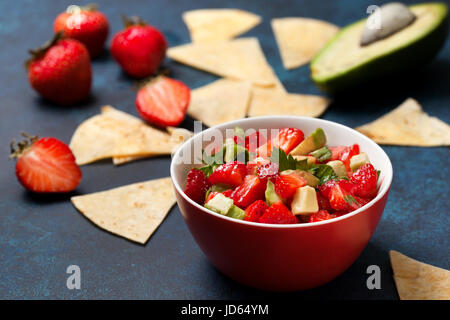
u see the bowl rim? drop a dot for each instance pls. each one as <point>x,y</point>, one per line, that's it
<point>381,193</point>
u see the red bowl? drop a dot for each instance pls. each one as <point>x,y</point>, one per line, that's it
<point>282,257</point>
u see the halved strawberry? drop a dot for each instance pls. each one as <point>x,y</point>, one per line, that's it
<point>163,101</point>
<point>196,185</point>
<point>251,190</point>
<point>45,165</point>
<point>286,185</point>
<point>286,140</point>
<point>320,215</point>
<point>255,211</point>
<point>278,213</point>
<point>230,173</point>
<point>365,179</point>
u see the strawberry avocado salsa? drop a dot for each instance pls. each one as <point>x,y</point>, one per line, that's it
<point>287,179</point>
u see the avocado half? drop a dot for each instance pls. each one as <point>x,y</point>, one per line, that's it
<point>343,63</point>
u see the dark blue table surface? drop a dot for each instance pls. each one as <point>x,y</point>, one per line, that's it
<point>41,236</point>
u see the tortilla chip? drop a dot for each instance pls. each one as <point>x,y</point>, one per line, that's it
<point>267,102</point>
<point>116,133</point>
<point>177,136</point>
<point>300,39</point>
<point>220,101</point>
<point>212,25</point>
<point>241,59</point>
<point>133,211</point>
<point>408,125</point>
<point>416,280</point>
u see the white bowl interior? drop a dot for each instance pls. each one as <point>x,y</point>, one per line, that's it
<point>337,134</point>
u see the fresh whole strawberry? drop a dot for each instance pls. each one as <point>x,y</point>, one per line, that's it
<point>251,190</point>
<point>61,71</point>
<point>278,213</point>
<point>320,215</point>
<point>139,48</point>
<point>230,173</point>
<point>196,185</point>
<point>255,211</point>
<point>365,179</point>
<point>163,101</point>
<point>45,165</point>
<point>85,24</point>
<point>287,185</point>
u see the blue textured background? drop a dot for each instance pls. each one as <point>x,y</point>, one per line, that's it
<point>41,236</point>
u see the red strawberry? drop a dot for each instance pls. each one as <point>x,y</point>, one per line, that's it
<point>61,71</point>
<point>365,179</point>
<point>84,24</point>
<point>227,193</point>
<point>251,190</point>
<point>278,214</point>
<point>163,101</point>
<point>231,173</point>
<point>344,154</point>
<point>45,165</point>
<point>255,211</point>
<point>320,215</point>
<point>268,171</point>
<point>286,185</point>
<point>323,202</point>
<point>286,140</point>
<point>196,185</point>
<point>139,48</point>
<point>338,194</point>
<point>254,140</point>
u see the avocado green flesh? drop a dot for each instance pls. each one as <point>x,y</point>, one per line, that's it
<point>344,63</point>
<point>271,196</point>
<point>314,141</point>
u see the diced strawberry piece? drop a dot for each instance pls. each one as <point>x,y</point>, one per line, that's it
<point>268,171</point>
<point>320,215</point>
<point>228,193</point>
<point>278,213</point>
<point>231,173</point>
<point>251,168</point>
<point>336,195</point>
<point>344,154</point>
<point>254,140</point>
<point>323,202</point>
<point>255,211</point>
<point>365,179</point>
<point>286,140</point>
<point>286,185</point>
<point>196,185</point>
<point>251,190</point>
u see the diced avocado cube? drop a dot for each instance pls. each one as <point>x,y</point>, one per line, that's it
<point>309,159</point>
<point>311,179</point>
<point>271,195</point>
<point>304,201</point>
<point>314,141</point>
<point>220,204</point>
<point>236,213</point>
<point>358,161</point>
<point>338,168</point>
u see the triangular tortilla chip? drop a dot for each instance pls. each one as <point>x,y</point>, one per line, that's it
<point>212,25</point>
<point>133,211</point>
<point>266,102</point>
<point>220,101</point>
<point>299,39</point>
<point>241,59</point>
<point>416,280</point>
<point>115,133</point>
<point>408,125</point>
<point>177,137</point>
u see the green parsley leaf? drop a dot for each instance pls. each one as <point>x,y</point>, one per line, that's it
<point>324,172</point>
<point>287,162</point>
<point>349,199</point>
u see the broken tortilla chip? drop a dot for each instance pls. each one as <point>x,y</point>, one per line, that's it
<point>133,211</point>
<point>220,101</point>
<point>241,59</point>
<point>212,25</point>
<point>408,125</point>
<point>177,137</point>
<point>416,280</point>
<point>299,39</point>
<point>266,102</point>
<point>116,133</point>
